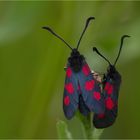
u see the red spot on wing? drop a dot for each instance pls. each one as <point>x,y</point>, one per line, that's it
<point>109,88</point>
<point>100,116</point>
<point>109,103</point>
<point>86,70</point>
<point>69,87</point>
<point>67,100</point>
<point>68,72</point>
<point>97,95</point>
<point>89,85</point>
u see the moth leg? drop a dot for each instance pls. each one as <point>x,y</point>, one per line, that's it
<point>97,77</point>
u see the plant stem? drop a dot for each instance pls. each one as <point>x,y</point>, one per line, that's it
<point>86,121</point>
<point>90,131</point>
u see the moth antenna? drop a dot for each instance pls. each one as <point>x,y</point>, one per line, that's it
<point>51,31</point>
<point>87,23</point>
<point>122,40</point>
<point>95,50</point>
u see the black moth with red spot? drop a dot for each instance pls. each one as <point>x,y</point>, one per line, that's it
<point>81,90</point>
<point>111,87</point>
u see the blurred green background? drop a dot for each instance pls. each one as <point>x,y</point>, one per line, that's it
<point>32,62</point>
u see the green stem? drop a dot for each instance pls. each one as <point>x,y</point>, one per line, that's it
<point>91,132</point>
<point>97,133</point>
<point>86,121</point>
<point>87,125</point>
<point>62,130</point>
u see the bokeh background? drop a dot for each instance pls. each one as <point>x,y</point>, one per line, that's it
<point>32,62</point>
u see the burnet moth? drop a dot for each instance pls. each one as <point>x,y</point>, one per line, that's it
<point>111,87</point>
<point>81,90</point>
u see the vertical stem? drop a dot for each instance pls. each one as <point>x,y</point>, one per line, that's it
<point>97,133</point>
<point>91,132</point>
<point>87,125</point>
